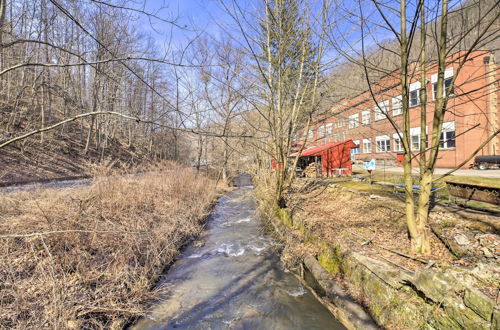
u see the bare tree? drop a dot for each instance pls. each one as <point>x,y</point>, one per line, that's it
<point>285,47</point>
<point>67,60</point>
<point>420,44</point>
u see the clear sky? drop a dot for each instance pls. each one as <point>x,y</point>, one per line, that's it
<point>208,15</point>
<point>194,15</point>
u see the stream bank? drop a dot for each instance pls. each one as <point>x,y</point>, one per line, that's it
<point>397,295</point>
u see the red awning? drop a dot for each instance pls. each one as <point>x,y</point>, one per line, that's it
<point>316,151</point>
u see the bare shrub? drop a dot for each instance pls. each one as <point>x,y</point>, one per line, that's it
<point>89,257</point>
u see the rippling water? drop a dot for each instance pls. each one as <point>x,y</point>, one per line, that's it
<point>231,278</point>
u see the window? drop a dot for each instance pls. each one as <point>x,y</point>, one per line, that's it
<point>398,144</point>
<point>367,146</point>
<point>383,143</point>
<point>353,121</point>
<point>338,137</point>
<point>397,105</point>
<point>365,117</point>
<point>415,142</point>
<point>447,138</point>
<point>310,135</point>
<point>381,110</point>
<point>415,138</point>
<point>339,123</point>
<point>448,77</point>
<point>355,151</point>
<point>321,131</point>
<point>415,94</point>
<point>414,98</point>
<point>329,129</point>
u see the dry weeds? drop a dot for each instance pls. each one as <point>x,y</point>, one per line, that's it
<point>344,218</point>
<point>89,257</point>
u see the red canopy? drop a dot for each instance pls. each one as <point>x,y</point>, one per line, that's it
<point>316,151</point>
<point>335,156</point>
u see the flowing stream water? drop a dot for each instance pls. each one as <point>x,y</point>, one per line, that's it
<point>232,278</point>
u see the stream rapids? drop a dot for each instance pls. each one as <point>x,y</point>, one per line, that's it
<point>232,278</point>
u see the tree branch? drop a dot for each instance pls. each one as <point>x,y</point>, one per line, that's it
<point>113,113</point>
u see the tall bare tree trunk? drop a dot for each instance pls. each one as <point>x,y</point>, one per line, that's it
<point>407,168</point>
<point>421,242</point>
<point>3,9</point>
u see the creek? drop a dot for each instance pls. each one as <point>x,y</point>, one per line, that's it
<point>231,277</point>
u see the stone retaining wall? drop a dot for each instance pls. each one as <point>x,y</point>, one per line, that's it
<point>426,298</point>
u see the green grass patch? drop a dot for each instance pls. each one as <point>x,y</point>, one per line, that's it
<point>397,178</point>
<point>442,194</point>
<point>492,182</point>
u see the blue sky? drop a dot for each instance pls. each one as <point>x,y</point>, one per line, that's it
<point>195,15</point>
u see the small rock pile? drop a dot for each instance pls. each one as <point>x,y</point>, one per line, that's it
<point>478,243</point>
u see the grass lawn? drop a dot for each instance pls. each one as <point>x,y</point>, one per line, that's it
<point>442,194</point>
<point>397,178</point>
<point>493,182</point>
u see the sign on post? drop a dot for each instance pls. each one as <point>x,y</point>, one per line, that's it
<point>369,166</point>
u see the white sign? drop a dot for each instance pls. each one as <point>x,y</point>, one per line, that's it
<point>369,166</point>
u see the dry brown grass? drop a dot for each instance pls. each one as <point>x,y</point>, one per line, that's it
<point>342,218</point>
<point>95,252</point>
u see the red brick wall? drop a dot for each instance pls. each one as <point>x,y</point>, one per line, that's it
<point>474,103</point>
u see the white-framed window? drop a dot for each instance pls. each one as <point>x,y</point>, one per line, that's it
<point>415,94</point>
<point>339,123</point>
<point>367,146</point>
<point>447,137</point>
<point>310,134</point>
<point>415,138</point>
<point>357,150</point>
<point>381,110</point>
<point>366,117</point>
<point>329,129</point>
<point>321,131</point>
<point>415,142</point>
<point>448,77</point>
<point>353,121</point>
<point>397,105</point>
<point>383,143</point>
<point>398,144</point>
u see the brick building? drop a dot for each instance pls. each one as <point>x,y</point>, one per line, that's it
<point>471,117</point>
